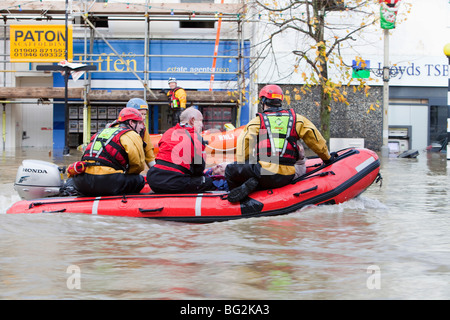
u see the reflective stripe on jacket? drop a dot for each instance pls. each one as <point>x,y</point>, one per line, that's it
<point>306,131</point>
<point>277,137</point>
<point>105,148</point>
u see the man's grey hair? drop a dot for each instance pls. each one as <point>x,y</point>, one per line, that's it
<point>189,113</point>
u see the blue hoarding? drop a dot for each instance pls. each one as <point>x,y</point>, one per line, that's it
<point>187,60</point>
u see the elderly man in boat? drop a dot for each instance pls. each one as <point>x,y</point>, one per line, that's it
<point>267,149</point>
<point>180,162</point>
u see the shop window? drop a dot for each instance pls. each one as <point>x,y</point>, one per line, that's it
<point>100,116</point>
<point>217,117</point>
<point>438,123</point>
<point>197,24</point>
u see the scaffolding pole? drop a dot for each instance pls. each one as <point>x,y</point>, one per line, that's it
<point>118,55</point>
<point>216,50</point>
<point>231,13</point>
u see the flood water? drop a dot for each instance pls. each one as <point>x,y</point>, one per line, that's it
<point>393,242</point>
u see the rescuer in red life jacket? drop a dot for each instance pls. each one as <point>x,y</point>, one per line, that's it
<point>267,149</point>
<point>114,159</point>
<point>180,161</point>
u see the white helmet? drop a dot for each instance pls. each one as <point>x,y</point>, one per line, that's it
<point>172,80</point>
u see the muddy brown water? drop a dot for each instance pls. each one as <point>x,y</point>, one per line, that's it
<point>392,242</point>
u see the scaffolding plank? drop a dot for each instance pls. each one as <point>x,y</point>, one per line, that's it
<point>38,92</point>
<point>125,95</point>
<point>107,95</point>
<point>58,7</point>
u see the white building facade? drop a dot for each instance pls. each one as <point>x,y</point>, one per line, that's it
<point>184,47</point>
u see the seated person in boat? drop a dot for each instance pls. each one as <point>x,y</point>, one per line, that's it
<point>217,173</point>
<point>142,106</point>
<point>267,149</point>
<point>114,159</point>
<point>180,162</point>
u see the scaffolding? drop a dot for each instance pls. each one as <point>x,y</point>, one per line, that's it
<point>89,14</point>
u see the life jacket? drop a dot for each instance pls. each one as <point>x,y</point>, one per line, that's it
<point>106,150</point>
<point>278,137</point>
<point>181,149</point>
<point>174,101</point>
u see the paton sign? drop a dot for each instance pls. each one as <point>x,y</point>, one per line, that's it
<point>39,43</point>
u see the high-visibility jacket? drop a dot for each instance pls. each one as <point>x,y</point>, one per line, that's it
<point>115,149</point>
<point>278,137</point>
<point>149,149</point>
<point>305,130</point>
<point>181,149</point>
<point>177,98</point>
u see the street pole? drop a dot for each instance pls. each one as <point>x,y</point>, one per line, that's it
<point>386,75</point>
<point>66,150</point>
<point>447,53</point>
<point>388,13</point>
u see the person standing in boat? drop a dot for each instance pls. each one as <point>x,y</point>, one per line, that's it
<point>180,161</point>
<point>267,149</point>
<point>114,158</point>
<point>177,99</point>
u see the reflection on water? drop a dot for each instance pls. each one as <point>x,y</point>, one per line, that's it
<point>323,252</point>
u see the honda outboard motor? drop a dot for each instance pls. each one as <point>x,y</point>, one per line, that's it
<point>38,179</point>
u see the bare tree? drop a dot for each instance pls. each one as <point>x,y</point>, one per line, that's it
<point>323,37</point>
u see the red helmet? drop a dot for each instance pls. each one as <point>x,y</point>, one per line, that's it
<point>271,95</point>
<point>129,114</point>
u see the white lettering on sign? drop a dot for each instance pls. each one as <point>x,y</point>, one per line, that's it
<point>227,136</point>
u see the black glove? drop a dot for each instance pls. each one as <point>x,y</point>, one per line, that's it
<point>333,158</point>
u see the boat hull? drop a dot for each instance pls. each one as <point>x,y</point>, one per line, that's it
<point>353,172</point>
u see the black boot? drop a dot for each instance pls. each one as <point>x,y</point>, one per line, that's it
<point>243,190</point>
<point>68,189</point>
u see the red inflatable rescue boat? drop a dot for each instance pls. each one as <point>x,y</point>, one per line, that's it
<point>352,173</point>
